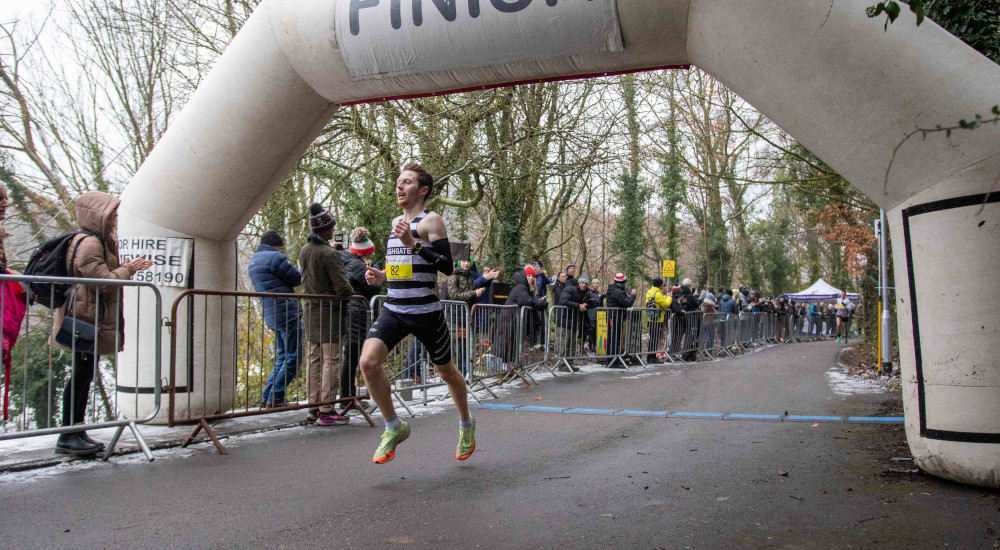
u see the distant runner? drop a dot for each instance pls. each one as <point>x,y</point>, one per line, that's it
<point>417,250</point>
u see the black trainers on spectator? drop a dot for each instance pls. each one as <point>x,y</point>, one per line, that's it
<point>313,415</point>
<point>100,446</point>
<point>75,445</point>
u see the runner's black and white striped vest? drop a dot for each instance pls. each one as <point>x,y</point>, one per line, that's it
<point>412,281</point>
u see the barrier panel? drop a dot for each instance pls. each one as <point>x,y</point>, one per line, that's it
<point>607,333</point>
<point>770,328</point>
<point>274,337</point>
<point>692,330</point>
<point>408,365</point>
<point>648,335</point>
<point>536,327</point>
<point>497,344</point>
<point>745,332</point>
<point>712,335</point>
<point>42,371</point>
<point>795,328</point>
<point>567,343</point>
<point>781,333</point>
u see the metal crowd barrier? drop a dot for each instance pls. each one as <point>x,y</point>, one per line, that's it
<point>685,330</point>
<point>536,328</point>
<point>607,335</point>
<point>409,367</point>
<point>567,343</point>
<point>648,334</point>
<point>794,328</point>
<point>38,372</point>
<point>263,362</point>
<point>729,333</point>
<point>713,334</point>
<point>745,331</point>
<point>497,344</point>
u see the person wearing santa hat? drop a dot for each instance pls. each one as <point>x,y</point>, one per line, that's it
<point>356,258</point>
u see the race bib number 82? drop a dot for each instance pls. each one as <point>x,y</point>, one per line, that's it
<point>399,267</point>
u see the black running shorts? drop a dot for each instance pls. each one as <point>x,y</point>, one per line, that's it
<point>430,328</point>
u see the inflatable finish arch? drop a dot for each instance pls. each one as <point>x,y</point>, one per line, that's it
<point>822,70</point>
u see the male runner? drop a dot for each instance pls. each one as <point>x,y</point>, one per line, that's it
<point>417,249</point>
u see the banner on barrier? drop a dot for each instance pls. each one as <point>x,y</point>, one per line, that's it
<point>386,38</point>
<point>602,334</point>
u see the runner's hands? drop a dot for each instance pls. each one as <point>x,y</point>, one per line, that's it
<point>374,276</point>
<point>402,232</point>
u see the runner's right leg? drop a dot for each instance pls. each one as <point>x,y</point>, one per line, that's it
<point>373,356</point>
<point>396,431</point>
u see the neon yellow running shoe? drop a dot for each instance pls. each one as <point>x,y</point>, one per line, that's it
<point>390,438</point>
<point>466,441</point>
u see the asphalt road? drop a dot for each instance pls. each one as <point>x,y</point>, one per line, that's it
<point>540,480</point>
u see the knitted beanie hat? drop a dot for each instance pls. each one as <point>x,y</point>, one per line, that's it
<point>361,243</point>
<point>619,277</point>
<point>320,219</point>
<point>272,238</point>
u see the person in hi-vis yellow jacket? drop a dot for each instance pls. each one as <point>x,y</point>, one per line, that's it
<point>656,298</point>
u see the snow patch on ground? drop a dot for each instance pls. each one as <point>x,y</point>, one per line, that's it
<point>672,372</point>
<point>844,384</point>
<point>72,466</point>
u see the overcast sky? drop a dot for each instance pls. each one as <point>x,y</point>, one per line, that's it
<point>19,9</point>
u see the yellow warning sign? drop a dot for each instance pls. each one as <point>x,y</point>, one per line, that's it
<point>668,268</point>
<point>602,334</point>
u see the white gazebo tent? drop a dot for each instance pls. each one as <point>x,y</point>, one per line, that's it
<point>820,290</point>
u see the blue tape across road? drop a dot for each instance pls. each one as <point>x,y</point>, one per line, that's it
<point>740,416</point>
<point>696,415</point>
<point>708,415</point>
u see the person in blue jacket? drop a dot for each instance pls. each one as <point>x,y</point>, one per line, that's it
<point>271,272</point>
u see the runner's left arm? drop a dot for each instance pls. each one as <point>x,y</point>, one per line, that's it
<point>439,254</point>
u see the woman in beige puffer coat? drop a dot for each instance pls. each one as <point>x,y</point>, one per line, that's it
<point>93,257</point>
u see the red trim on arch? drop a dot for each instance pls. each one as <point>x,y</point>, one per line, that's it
<point>509,84</point>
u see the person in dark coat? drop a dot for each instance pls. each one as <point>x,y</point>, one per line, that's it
<point>356,259</point>
<point>462,283</point>
<point>571,321</point>
<point>271,272</point>
<point>323,274</point>
<point>727,304</point>
<point>619,296</point>
<point>595,300</point>
<point>521,295</point>
<point>691,307</point>
<point>558,286</point>
<point>538,321</point>
<point>542,280</point>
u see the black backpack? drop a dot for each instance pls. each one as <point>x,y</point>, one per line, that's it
<point>651,302</point>
<point>49,260</point>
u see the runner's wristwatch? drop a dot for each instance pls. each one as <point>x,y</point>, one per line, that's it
<point>417,248</point>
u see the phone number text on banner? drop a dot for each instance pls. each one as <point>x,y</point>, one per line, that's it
<point>171,259</point>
